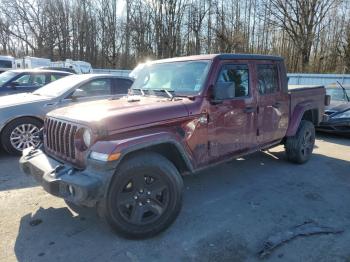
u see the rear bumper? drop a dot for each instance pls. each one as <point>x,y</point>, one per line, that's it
<point>61,180</point>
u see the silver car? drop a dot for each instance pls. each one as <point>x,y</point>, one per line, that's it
<point>21,115</point>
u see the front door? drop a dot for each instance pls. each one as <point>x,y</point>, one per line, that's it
<point>232,122</point>
<point>272,103</point>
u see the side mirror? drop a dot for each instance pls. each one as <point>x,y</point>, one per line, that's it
<point>78,93</point>
<point>13,85</point>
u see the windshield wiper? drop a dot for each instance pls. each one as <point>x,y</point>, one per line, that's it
<point>167,92</point>
<point>140,89</point>
<point>344,90</point>
<point>172,95</point>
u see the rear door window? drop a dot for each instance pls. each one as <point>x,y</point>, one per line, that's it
<point>121,86</point>
<point>5,64</point>
<point>39,79</point>
<point>267,79</point>
<point>55,77</point>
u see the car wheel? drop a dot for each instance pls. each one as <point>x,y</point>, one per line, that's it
<point>144,197</point>
<point>21,133</point>
<point>300,146</point>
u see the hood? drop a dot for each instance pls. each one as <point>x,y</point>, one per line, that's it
<point>337,106</point>
<point>122,113</point>
<point>20,99</point>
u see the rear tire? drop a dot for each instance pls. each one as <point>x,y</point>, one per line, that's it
<point>20,130</point>
<point>300,146</point>
<point>144,197</point>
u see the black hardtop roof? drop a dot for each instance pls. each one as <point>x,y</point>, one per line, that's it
<point>221,57</point>
<point>249,57</point>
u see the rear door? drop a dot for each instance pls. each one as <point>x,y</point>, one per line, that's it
<point>273,105</point>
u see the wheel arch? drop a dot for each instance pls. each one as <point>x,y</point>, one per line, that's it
<point>311,115</point>
<point>302,112</point>
<point>169,149</point>
<point>9,121</point>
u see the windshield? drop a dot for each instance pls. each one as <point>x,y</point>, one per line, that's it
<point>5,64</point>
<point>6,76</point>
<point>337,94</point>
<point>180,77</point>
<point>60,86</point>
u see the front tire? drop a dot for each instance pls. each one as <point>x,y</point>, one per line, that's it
<point>20,134</point>
<point>300,146</point>
<point>145,196</point>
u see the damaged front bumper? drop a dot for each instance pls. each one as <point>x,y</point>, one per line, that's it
<point>341,126</point>
<point>81,187</point>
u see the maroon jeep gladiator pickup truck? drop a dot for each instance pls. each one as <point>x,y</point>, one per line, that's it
<point>126,156</point>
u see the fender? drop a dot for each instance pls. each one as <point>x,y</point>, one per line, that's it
<point>126,146</point>
<point>297,115</point>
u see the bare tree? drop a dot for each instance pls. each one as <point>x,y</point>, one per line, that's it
<point>313,35</point>
<point>300,19</point>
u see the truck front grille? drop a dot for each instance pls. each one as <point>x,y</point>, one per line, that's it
<point>59,139</point>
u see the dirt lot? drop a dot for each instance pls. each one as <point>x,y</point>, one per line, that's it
<point>228,212</point>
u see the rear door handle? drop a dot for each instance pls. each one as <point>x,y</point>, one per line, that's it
<point>249,109</point>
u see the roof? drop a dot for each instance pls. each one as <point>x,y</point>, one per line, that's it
<point>96,76</point>
<point>6,57</point>
<point>35,70</point>
<point>221,57</point>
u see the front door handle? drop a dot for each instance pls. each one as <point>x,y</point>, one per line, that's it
<point>277,105</point>
<point>249,109</point>
<point>51,104</point>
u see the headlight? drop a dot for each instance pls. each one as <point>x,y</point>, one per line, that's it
<point>87,137</point>
<point>345,114</point>
<point>104,157</point>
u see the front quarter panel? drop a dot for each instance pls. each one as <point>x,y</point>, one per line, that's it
<point>132,144</point>
<point>35,110</point>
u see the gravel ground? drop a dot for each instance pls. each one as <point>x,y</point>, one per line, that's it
<point>228,212</point>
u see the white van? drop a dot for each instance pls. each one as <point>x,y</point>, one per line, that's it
<point>7,63</point>
<point>29,62</point>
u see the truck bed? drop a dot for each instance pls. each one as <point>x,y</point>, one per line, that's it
<point>310,96</point>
